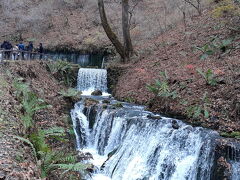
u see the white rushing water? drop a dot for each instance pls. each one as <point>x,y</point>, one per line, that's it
<point>235,170</point>
<point>145,148</point>
<point>128,144</point>
<point>92,79</point>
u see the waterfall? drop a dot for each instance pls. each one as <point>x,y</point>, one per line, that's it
<point>130,143</point>
<point>92,79</point>
<point>83,60</point>
<point>145,148</point>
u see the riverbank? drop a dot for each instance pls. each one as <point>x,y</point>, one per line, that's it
<point>201,89</point>
<point>17,157</point>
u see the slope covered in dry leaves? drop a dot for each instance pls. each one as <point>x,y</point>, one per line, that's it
<point>175,53</point>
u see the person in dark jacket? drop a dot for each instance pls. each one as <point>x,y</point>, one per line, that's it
<point>4,47</point>
<point>8,48</point>
<point>30,49</point>
<point>40,50</point>
<point>21,47</point>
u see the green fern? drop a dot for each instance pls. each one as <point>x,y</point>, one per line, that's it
<point>56,133</point>
<point>20,88</point>
<point>38,140</point>
<point>27,121</point>
<point>59,160</point>
<point>29,143</point>
<point>73,167</point>
<point>30,103</point>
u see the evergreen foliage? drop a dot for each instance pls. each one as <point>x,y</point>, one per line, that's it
<point>48,160</point>
<point>62,70</point>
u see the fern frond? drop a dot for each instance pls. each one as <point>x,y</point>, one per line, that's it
<point>29,143</point>
<point>73,167</point>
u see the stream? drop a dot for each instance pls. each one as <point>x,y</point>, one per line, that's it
<point>129,143</point>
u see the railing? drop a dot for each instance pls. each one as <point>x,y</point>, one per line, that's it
<point>22,55</point>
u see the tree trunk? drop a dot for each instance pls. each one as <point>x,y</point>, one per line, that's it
<point>110,34</point>
<point>128,48</point>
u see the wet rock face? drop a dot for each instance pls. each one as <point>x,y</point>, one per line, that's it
<point>113,74</point>
<point>227,150</point>
<point>89,102</point>
<point>96,93</point>
<point>92,116</point>
<point>223,170</point>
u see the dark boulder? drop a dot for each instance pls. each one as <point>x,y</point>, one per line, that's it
<point>97,93</point>
<point>175,125</point>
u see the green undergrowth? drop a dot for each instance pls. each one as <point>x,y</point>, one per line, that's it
<point>197,110</point>
<point>64,71</point>
<point>38,139</point>
<point>162,88</point>
<point>235,134</point>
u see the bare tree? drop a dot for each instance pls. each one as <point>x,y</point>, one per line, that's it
<point>182,8</point>
<point>126,49</point>
<point>197,4</point>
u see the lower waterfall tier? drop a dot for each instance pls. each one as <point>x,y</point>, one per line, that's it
<point>140,145</point>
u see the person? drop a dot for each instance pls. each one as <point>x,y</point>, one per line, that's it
<point>8,48</point>
<point>21,47</point>
<point>40,50</point>
<point>15,52</point>
<point>30,49</point>
<point>4,47</point>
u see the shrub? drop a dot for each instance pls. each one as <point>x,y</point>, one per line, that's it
<point>162,88</point>
<point>216,46</point>
<point>199,110</point>
<point>228,11</point>
<point>63,71</point>
<point>208,76</point>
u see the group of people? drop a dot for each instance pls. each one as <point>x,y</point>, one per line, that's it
<point>20,50</point>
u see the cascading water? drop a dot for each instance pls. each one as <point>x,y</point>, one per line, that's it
<point>92,79</point>
<point>129,143</point>
<point>235,170</point>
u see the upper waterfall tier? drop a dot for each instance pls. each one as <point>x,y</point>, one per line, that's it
<point>92,79</point>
